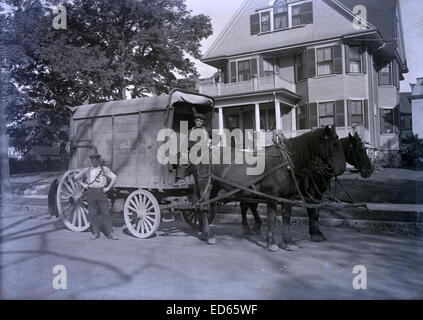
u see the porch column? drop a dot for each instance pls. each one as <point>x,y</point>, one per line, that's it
<point>294,118</point>
<point>278,115</point>
<point>221,133</point>
<point>257,116</point>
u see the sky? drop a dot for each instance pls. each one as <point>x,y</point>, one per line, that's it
<point>221,11</point>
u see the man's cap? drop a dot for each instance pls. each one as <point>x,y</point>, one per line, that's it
<point>94,155</point>
<point>200,116</point>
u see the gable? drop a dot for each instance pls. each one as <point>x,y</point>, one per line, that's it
<point>237,39</point>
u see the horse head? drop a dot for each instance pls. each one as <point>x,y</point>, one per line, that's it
<point>331,152</point>
<point>356,155</point>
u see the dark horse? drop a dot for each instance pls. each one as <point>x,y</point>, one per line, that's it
<point>355,155</point>
<point>322,143</point>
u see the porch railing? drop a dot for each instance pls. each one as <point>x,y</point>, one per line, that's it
<point>255,84</point>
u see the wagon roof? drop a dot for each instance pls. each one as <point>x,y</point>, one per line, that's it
<point>142,104</point>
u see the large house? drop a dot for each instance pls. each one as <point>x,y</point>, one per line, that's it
<point>295,65</point>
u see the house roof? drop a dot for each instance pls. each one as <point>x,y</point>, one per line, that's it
<point>405,105</point>
<point>417,92</point>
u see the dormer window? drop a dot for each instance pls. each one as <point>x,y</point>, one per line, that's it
<point>282,15</point>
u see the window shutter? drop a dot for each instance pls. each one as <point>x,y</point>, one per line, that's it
<point>363,59</point>
<point>337,58</point>
<point>307,12</point>
<point>313,114</point>
<point>255,24</point>
<point>395,73</point>
<point>261,67</point>
<point>254,67</point>
<point>366,114</point>
<point>347,58</point>
<point>349,112</point>
<point>397,117</point>
<point>233,72</point>
<point>339,113</point>
<point>311,63</point>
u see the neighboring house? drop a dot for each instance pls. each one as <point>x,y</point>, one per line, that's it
<point>42,153</point>
<point>297,65</point>
<point>416,98</point>
<point>405,115</point>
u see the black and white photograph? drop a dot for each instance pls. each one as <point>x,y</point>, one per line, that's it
<point>190,151</point>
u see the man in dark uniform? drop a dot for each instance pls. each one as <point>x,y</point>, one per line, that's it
<point>98,204</point>
<point>199,120</point>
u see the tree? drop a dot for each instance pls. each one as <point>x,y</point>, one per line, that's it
<point>109,46</point>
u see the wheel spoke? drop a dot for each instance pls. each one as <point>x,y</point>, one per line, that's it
<point>79,217</point>
<point>74,216</point>
<point>84,217</point>
<point>132,208</point>
<point>145,227</point>
<point>148,223</point>
<point>133,203</point>
<point>68,187</point>
<point>150,219</point>
<point>139,225</point>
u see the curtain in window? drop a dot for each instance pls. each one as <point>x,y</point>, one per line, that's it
<point>297,17</point>
<point>244,73</point>
<point>324,61</point>
<point>387,121</point>
<point>326,114</point>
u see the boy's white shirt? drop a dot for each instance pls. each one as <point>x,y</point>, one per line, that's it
<point>93,172</point>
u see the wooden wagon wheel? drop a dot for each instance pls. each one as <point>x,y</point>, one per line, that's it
<point>142,214</point>
<point>72,202</point>
<point>192,217</point>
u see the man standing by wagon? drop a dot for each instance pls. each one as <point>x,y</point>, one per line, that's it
<point>98,204</point>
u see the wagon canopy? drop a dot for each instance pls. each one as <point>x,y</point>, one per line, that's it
<point>176,97</point>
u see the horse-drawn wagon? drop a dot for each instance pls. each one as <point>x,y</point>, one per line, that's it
<point>126,133</point>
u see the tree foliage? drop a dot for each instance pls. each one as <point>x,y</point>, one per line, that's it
<point>109,47</point>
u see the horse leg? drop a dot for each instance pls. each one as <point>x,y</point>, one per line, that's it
<point>314,230</point>
<point>271,219</point>
<point>257,219</point>
<point>245,227</point>
<point>287,243</point>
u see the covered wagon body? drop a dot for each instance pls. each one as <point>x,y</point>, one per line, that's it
<point>125,134</point>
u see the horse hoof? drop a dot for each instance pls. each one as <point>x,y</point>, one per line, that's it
<point>291,247</point>
<point>211,241</point>
<point>272,247</point>
<point>288,246</point>
<point>317,237</point>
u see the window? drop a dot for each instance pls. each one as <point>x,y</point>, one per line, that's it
<point>385,75</point>
<point>267,119</point>
<point>326,113</point>
<point>297,17</point>
<point>244,73</point>
<point>262,22</point>
<point>355,112</point>
<point>280,15</point>
<point>268,67</point>
<point>354,59</point>
<point>387,121</point>
<point>265,21</point>
<point>324,61</point>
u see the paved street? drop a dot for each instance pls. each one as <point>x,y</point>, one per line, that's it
<point>176,265</point>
